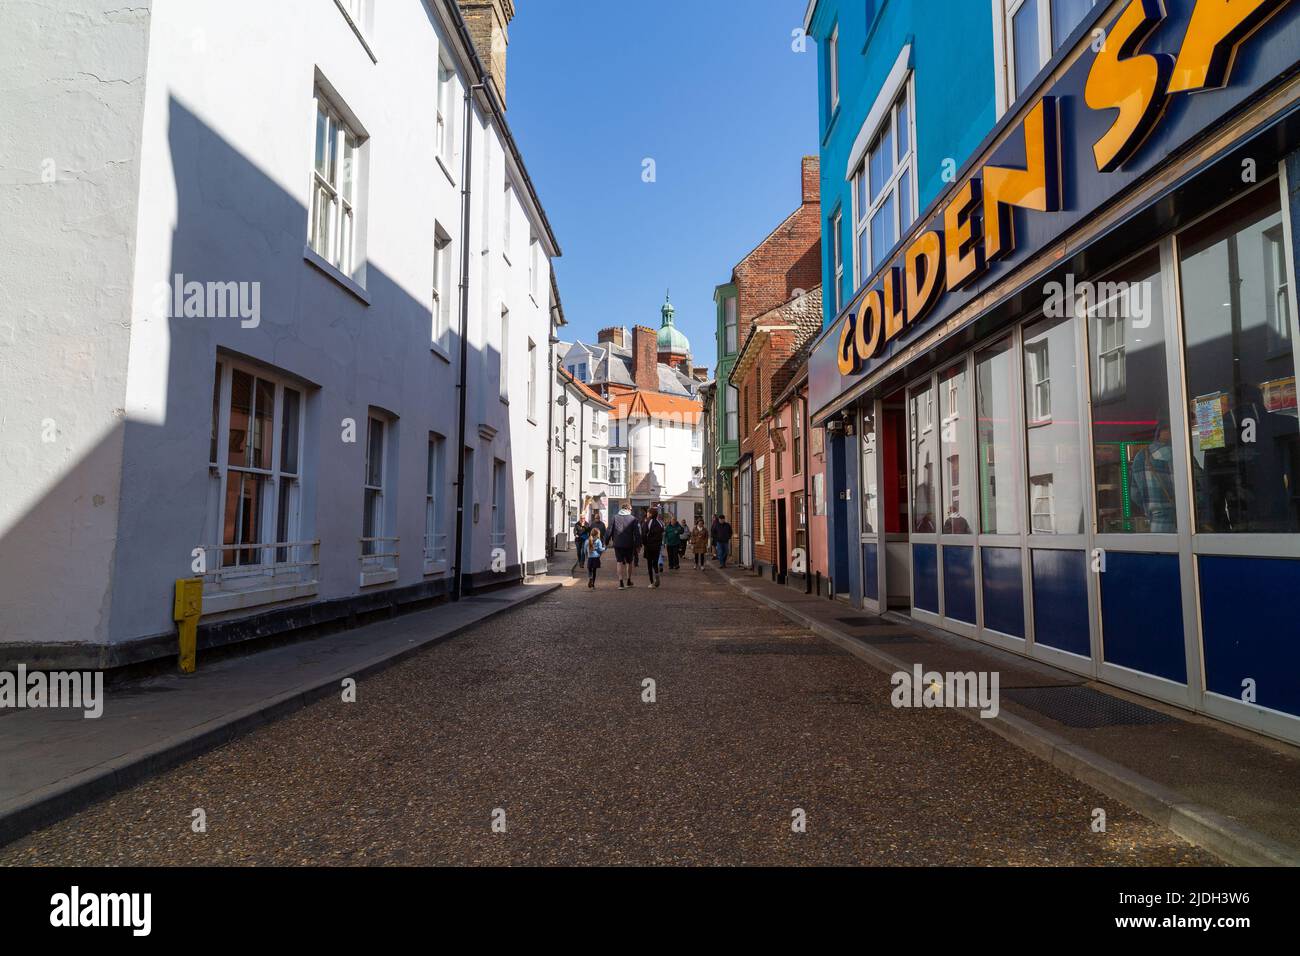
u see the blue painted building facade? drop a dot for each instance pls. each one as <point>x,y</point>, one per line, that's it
<point>1058,372</point>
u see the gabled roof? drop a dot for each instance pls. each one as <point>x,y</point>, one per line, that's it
<point>654,404</point>
<point>586,392</point>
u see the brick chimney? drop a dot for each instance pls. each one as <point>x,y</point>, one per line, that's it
<point>645,361</point>
<point>811,179</point>
<point>615,335</point>
<point>487,21</point>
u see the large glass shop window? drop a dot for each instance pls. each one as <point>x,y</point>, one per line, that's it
<point>923,449</point>
<point>957,452</point>
<point>869,470</point>
<point>1241,387</point>
<point>1132,452</point>
<point>1055,480</point>
<point>995,414</point>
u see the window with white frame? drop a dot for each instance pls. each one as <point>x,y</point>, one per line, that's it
<point>1033,30</point>
<point>1277,278</point>
<point>884,187</point>
<point>595,424</point>
<point>331,229</point>
<point>733,413</point>
<point>1040,382</point>
<point>1111,353</point>
<point>498,503</point>
<point>372,522</point>
<point>1042,504</point>
<point>532,379</point>
<point>534,264</point>
<point>695,436</point>
<point>258,422</point>
<point>445,138</point>
<point>796,435</point>
<point>441,287</point>
<point>837,259</point>
<point>435,538</point>
<point>595,464</point>
<point>661,434</point>
<point>729,323</point>
<point>833,66</point>
<point>616,469</point>
<point>505,351</point>
<point>507,213</point>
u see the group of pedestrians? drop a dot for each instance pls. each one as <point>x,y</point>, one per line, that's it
<point>651,536</point>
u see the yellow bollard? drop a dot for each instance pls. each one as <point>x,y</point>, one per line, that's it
<point>186,611</point>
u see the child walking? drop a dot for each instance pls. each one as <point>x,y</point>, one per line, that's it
<point>595,548</point>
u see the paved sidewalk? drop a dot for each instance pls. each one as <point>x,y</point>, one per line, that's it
<point>1231,791</point>
<point>55,761</point>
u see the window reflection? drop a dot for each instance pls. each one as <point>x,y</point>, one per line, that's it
<point>957,451</point>
<point>1241,387</point>
<point>996,419</point>
<point>1132,455</point>
<point>1052,428</point>
<point>869,469</point>
<point>923,449</point>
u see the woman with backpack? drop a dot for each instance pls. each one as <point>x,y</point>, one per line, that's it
<point>673,536</point>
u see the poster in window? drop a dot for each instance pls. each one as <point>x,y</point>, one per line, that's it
<point>1209,419</point>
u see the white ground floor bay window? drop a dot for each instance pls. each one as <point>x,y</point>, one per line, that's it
<point>253,552</point>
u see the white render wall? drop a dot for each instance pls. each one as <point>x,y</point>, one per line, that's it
<point>225,154</point>
<point>572,484</point>
<point>677,453</point>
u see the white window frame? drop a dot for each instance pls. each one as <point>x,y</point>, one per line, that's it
<point>1042,491</point>
<point>505,353</point>
<point>336,188</point>
<point>730,325</point>
<point>733,413</point>
<point>435,547</point>
<point>833,66</point>
<point>506,216</point>
<point>280,558</point>
<point>532,380</point>
<point>445,118</point>
<point>837,259</point>
<point>904,164</point>
<point>617,467</point>
<point>1040,383</point>
<point>1004,12</point>
<point>442,286</point>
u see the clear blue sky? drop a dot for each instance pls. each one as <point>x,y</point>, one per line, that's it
<point>713,92</point>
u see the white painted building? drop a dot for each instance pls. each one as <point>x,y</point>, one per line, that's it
<point>580,461</point>
<point>660,441</point>
<point>231,319</point>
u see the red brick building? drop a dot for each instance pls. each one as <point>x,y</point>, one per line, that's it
<point>772,283</point>
<point>771,358</point>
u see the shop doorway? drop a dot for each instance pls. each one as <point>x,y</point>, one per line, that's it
<point>782,541</point>
<point>898,561</point>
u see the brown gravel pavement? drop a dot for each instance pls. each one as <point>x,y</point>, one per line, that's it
<point>539,713</point>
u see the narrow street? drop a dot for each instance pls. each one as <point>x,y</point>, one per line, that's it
<point>540,713</point>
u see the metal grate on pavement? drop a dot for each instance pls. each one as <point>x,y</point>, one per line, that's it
<point>1084,707</point>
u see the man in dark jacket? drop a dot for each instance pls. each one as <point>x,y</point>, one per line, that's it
<point>625,539</point>
<point>652,538</point>
<point>722,538</point>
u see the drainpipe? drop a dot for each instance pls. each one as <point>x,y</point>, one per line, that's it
<point>462,385</point>
<point>582,456</point>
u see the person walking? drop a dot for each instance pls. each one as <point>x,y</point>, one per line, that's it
<point>652,538</point>
<point>595,548</point>
<point>673,540</point>
<point>722,537</point>
<point>599,525</point>
<point>625,539</point>
<point>699,543</point>
<point>581,531</point>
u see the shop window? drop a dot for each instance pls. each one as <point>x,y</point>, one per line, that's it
<point>958,456</point>
<point>869,471</point>
<point>996,418</point>
<point>922,456</point>
<point>1241,386</point>
<point>1052,427</point>
<point>1132,455</point>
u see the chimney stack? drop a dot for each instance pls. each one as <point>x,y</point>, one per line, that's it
<point>645,361</point>
<point>811,174</point>
<point>615,335</point>
<point>487,21</point>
